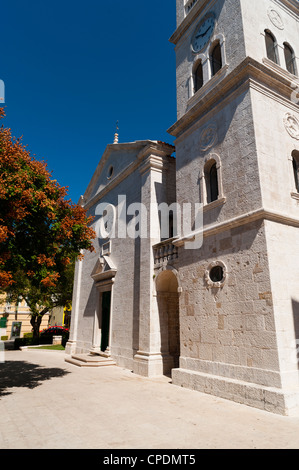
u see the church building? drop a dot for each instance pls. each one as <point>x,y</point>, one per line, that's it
<point>195,272</point>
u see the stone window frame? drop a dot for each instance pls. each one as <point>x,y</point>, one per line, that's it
<point>106,248</point>
<point>268,33</point>
<point>280,65</point>
<point>208,161</point>
<point>211,180</point>
<point>287,45</point>
<point>206,60</point>
<point>197,63</point>
<point>214,45</point>
<point>208,280</point>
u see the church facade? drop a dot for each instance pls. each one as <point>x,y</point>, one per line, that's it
<point>214,302</point>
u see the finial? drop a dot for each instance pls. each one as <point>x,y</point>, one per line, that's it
<point>116,134</point>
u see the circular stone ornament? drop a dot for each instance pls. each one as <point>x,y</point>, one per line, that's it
<point>216,274</point>
<point>208,137</point>
<point>275,18</point>
<point>291,123</point>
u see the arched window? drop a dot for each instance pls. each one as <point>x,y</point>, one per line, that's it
<point>289,58</point>
<point>211,177</point>
<point>271,47</point>
<point>216,59</point>
<point>198,77</point>
<point>214,191</point>
<point>295,155</point>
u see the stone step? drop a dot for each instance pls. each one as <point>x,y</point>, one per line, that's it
<point>89,360</point>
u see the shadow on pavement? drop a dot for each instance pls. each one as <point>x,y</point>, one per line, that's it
<point>25,374</point>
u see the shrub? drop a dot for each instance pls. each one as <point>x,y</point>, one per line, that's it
<point>19,342</point>
<point>46,339</point>
<point>28,340</point>
<point>28,335</point>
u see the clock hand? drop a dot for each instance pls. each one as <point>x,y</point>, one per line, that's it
<point>203,34</point>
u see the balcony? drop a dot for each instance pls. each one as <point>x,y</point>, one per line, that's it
<point>165,252</point>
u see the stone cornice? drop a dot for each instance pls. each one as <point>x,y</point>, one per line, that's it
<point>103,276</point>
<point>244,219</point>
<point>153,162</point>
<point>248,71</point>
<point>292,5</point>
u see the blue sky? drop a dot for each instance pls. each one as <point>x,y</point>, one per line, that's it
<point>72,69</point>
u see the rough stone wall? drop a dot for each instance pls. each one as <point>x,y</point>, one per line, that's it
<point>235,146</point>
<point>180,13</point>
<point>229,331</point>
<point>242,330</point>
<point>228,24</point>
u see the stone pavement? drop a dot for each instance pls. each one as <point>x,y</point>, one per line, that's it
<point>46,403</point>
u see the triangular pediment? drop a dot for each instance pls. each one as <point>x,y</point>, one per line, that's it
<point>117,161</point>
<point>103,269</point>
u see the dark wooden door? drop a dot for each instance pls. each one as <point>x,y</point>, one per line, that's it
<point>106,304</point>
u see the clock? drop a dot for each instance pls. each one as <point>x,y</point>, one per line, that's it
<point>203,33</point>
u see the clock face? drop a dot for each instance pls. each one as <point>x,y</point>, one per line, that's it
<point>203,34</point>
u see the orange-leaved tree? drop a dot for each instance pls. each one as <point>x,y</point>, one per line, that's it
<point>41,232</point>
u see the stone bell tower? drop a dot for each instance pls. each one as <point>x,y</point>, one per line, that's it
<point>237,153</point>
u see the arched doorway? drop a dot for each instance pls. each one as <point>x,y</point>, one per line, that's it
<point>168,307</point>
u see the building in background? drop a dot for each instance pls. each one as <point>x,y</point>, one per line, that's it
<point>17,318</point>
<point>60,316</point>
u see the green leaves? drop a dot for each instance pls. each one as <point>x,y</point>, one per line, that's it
<point>41,233</point>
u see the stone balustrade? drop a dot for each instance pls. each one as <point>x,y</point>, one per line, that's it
<point>165,252</point>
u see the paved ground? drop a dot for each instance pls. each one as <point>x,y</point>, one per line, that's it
<point>46,403</point>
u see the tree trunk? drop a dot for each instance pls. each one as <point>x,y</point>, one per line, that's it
<point>35,323</point>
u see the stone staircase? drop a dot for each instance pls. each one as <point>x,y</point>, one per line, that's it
<point>89,360</point>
